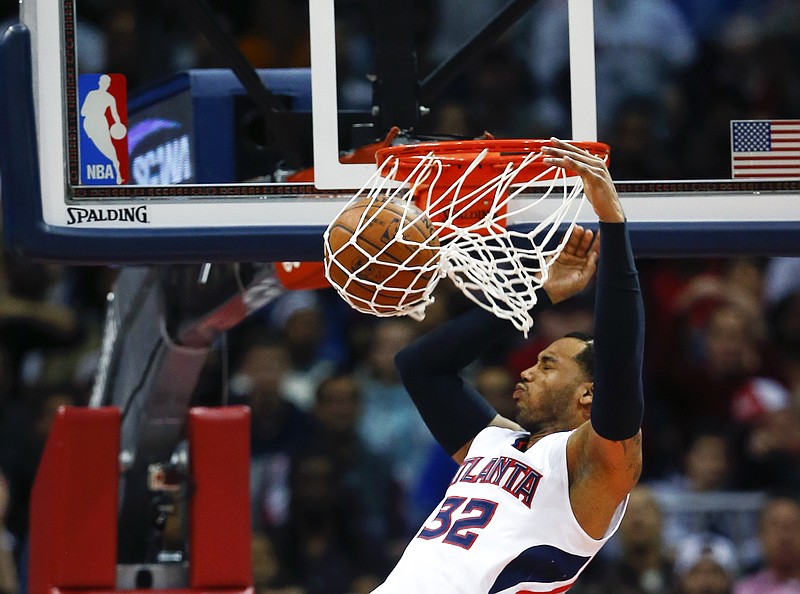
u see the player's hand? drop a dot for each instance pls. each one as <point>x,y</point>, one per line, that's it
<point>575,265</point>
<point>597,181</point>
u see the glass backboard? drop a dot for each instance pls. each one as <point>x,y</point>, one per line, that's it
<point>238,140</point>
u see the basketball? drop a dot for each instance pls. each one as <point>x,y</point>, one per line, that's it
<point>385,250</point>
<point>118,131</point>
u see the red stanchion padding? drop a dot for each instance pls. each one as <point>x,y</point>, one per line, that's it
<point>219,525</point>
<point>73,526</point>
<point>302,275</point>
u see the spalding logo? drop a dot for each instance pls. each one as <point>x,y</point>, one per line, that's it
<point>124,214</point>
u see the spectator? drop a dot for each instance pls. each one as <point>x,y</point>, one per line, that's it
<point>389,414</point>
<point>498,96</point>
<point>88,37</point>
<point>121,44</point>
<point>266,567</point>
<point>683,293</point>
<point>278,427</point>
<point>9,583</point>
<point>781,278</point>
<point>708,315</point>
<point>705,564</point>
<point>707,18</point>
<point>735,282</point>
<point>637,137</point>
<point>320,549</point>
<point>642,47</point>
<point>780,542</point>
<point>85,290</point>
<point>7,378</point>
<point>700,390</point>
<point>643,565</point>
<point>298,317</point>
<point>768,431</point>
<point>366,475</point>
<point>784,327</point>
<point>30,319</point>
<point>707,470</point>
<point>454,26</point>
<point>276,35</point>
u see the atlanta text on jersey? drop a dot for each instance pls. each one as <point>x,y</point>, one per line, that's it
<point>507,473</point>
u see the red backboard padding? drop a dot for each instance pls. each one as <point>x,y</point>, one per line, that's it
<point>73,527</point>
<point>220,532</point>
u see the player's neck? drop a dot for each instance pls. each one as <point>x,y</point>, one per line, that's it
<point>544,432</point>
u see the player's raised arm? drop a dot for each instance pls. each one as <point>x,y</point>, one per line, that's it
<point>607,451</point>
<point>451,408</point>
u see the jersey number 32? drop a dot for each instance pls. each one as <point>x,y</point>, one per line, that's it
<point>475,515</point>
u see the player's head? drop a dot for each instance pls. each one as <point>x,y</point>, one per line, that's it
<point>104,82</point>
<point>556,393</point>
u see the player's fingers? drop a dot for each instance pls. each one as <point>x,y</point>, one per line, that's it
<point>575,240</point>
<point>585,170</point>
<point>576,162</point>
<point>564,145</point>
<point>591,261</point>
<point>563,150</point>
<point>586,242</point>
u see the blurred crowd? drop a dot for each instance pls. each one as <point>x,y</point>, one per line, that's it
<point>671,74</point>
<point>343,470</point>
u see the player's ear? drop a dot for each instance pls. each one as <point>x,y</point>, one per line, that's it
<point>586,390</point>
<point>587,393</point>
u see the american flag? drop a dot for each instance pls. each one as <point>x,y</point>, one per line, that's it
<point>765,148</point>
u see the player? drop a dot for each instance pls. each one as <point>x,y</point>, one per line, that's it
<point>95,124</point>
<point>534,500</point>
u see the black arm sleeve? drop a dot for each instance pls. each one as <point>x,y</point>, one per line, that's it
<point>429,367</point>
<point>618,402</point>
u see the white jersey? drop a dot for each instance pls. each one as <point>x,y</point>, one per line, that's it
<point>505,525</point>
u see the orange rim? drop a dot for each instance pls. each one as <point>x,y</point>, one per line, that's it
<point>456,156</point>
<point>459,152</point>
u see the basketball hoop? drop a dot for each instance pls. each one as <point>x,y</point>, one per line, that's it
<point>472,192</point>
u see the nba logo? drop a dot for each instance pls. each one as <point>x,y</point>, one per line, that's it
<point>103,127</point>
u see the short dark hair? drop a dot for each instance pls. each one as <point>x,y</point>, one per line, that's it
<point>585,358</point>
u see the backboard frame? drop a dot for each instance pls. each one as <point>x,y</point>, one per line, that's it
<point>43,229</point>
<point>663,215</point>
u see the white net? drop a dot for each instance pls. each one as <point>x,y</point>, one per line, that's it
<point>478,238</point>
